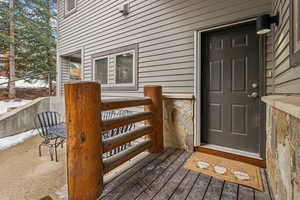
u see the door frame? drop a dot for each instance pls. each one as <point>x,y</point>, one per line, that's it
<point>198,86</point>
<point>59,56</point>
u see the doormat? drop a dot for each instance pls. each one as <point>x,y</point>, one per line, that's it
<point>226,169</point>
<point>46,198</point>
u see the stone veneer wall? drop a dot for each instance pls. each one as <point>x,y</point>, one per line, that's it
<point>283,154</point>
<point>178,123</point>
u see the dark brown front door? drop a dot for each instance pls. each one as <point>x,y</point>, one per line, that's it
<point>230,84</point>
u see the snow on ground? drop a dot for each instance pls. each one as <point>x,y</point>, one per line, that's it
<point>24,84</point>
<point>4,105</point>
<point>63,192</point>
<point>10,141</point>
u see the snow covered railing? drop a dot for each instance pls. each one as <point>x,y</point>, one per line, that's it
<point>85,147</point>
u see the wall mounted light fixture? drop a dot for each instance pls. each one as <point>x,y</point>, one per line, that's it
<point>263,23</point>
<point>124,9</point>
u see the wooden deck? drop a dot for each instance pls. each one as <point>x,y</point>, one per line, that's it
<point>162,176</point>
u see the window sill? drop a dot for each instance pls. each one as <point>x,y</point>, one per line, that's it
<point>288,104</point>
<point>115,88</point>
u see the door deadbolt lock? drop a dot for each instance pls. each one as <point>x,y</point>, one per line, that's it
<point>254,85</point>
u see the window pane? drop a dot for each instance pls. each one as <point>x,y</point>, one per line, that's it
<point>124,68</point>
<point>70,5</point>
<point>101,70</point>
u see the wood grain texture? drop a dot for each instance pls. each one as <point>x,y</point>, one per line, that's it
<point>137,183</point>
<point>145,182</point>
<point>167,191</point>
<point>185,186</point>
<point>156,186</point>
<point>125,120</point>
<point>123,177</point>
<point>165,178</point>
<point>200,187</point>
<point>84,164</point>
<point>229,191</point>
<point>118,159</point>
<point>112,104</point>
<point>246,193</point>
<point>119,140</point>
<point>155,94</point>
<point>214,189</point>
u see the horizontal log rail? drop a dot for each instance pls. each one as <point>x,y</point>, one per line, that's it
<point>119,140</point>
<point>125,120</point>
<point>113,104</point>
<point>118,159</point>
<point>85,165</point>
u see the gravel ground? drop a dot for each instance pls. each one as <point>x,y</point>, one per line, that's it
<point>25,175</point>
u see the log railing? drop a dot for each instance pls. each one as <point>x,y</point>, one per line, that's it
<point>85,165</point>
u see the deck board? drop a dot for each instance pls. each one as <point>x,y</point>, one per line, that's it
<point>142,184</point>
<point>133,182</point>
<point>229,191</point>
<point>214,189</point>
<point>156,186</point>
<point>130,172</point>
<point>185,187</point>
<point>167,190</point>
<point>246,193</point>
<point>162,176</point>
<point>200,187</point>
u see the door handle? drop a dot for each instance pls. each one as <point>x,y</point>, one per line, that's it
<point>253,95</point>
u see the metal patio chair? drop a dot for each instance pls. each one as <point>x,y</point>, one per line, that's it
<point>43,122</point>
<point>116,131</point>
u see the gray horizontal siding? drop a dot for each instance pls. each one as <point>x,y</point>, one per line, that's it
<point>163,29</point>
<point>64,73</point>
<point>286,78</point>
<point>269,64</point>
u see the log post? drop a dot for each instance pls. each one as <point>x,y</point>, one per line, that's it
<point>84,141</point>
<point>155,94</point>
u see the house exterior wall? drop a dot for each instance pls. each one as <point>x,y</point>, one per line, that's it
<point>283,118</point>
<point>286,79</point>
<point>64,74</point>
<point>162,29</point>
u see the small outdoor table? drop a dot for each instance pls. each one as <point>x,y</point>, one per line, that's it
<point>58,130</point>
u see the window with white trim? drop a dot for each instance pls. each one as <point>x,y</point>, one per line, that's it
<point>101,70</point>
<point>70,6</point>
<point>116,69</point>
<point>295,33</point>
<point>125,68</point>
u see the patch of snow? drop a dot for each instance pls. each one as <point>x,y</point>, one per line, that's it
<point>4,105</point>
<point>11,141</point>
<point>23,84</point>
<point>63,192</point>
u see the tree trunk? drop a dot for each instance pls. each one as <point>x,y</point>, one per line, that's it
<point>48,51</point>
<point>11,85</point>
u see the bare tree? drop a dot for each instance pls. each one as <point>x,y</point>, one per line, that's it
<point>12,76</point>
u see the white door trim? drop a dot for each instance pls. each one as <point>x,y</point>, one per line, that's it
<point>59,80</point>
